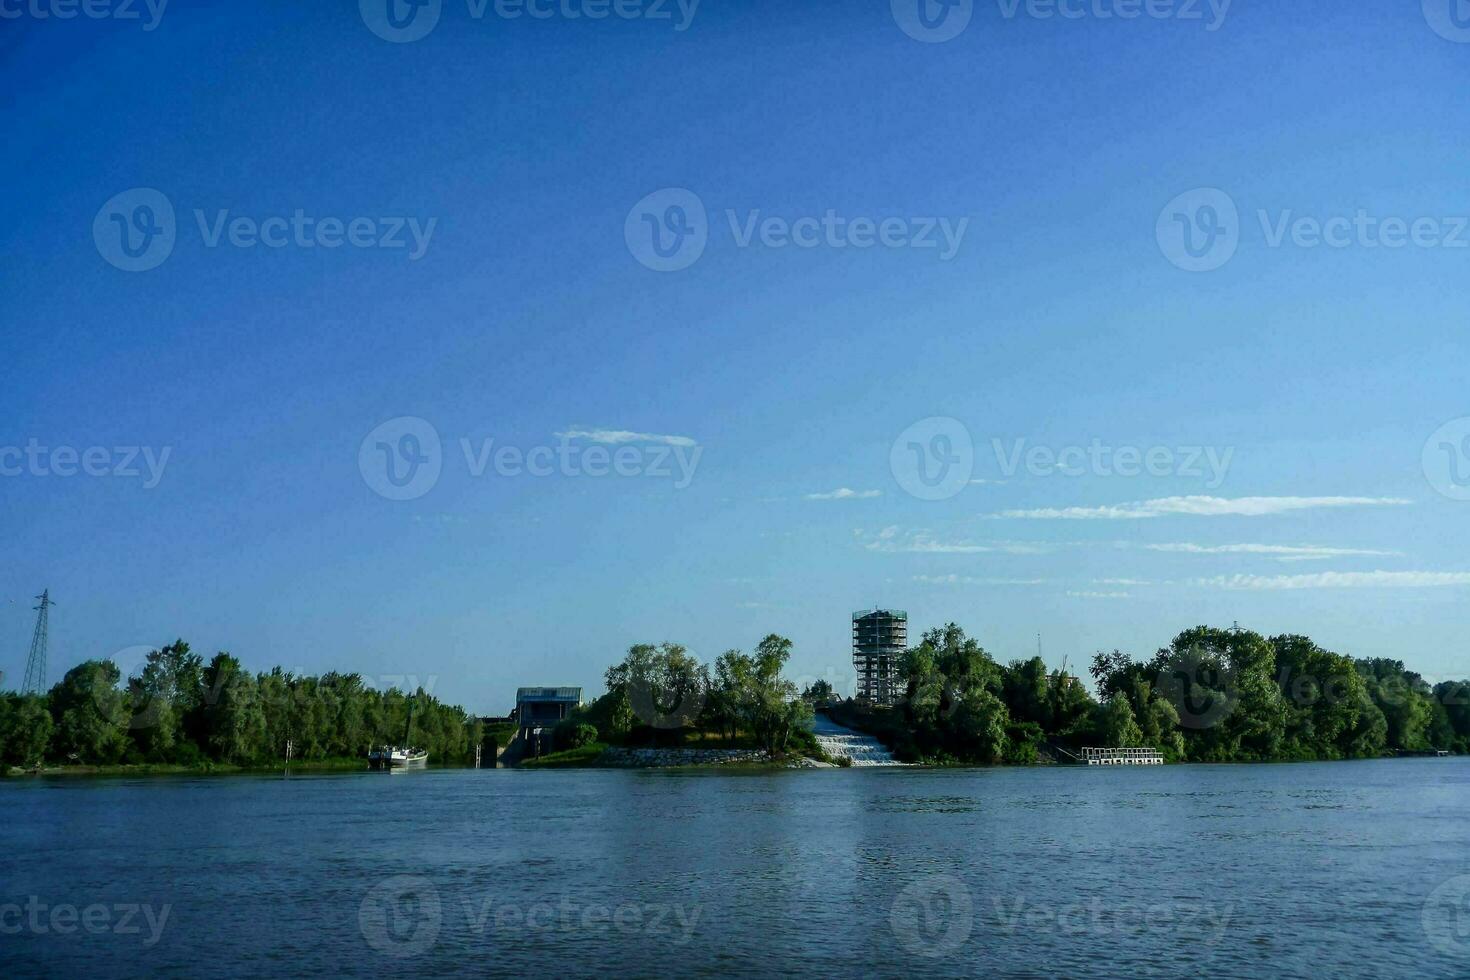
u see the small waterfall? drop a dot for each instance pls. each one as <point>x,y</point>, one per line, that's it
<point>863,750</point>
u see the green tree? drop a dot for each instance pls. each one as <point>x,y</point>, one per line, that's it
<point>819,694</point>
<point>774,711</point>
<point>25,729</point>
<point>1119,726</point>
<point>234,717</point>
<point>1405,700</point>
<point>1027,691</point>
<point>164,698</point>
<point>665,686</point>
<point>729,689</point>
<point>955,697</point>
<point>90,713</point>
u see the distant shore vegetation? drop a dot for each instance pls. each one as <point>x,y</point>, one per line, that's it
<point>182,712</point>
<point>661,696</point>
<point>1211,695</point>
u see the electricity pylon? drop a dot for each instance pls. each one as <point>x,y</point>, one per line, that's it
<point>35,682</point>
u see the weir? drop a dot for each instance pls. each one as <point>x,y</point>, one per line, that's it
<point>863,750</point>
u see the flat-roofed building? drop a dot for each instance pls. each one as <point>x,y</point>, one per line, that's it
<point>539,709</point>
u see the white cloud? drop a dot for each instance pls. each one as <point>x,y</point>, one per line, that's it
<point>1099,595</point>
<point>924,543</point>
<point>1121,581</point>
<point>971,580</point>
<point>615,437</point>
<point>1201,506</point>
<point>1342,580</point>
<point>1279,552</point>
<point>845,493</point>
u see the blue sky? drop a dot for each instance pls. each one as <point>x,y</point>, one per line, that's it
<point>527,153</point>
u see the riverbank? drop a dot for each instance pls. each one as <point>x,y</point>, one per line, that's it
<point>198,769</point>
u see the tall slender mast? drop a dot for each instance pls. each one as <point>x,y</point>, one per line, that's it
<point>35,682</point>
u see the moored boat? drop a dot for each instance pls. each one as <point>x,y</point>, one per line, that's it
<point>403,756</point>
<point>397,757</point>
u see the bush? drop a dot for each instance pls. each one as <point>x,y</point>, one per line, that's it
<point>574,735</point>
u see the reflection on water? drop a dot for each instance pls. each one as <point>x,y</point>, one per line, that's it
<point>1342,869</point>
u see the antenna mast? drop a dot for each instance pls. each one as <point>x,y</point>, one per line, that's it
<point>35,682</point>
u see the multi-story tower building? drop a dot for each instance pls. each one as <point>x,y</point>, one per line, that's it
<point>879,638</point>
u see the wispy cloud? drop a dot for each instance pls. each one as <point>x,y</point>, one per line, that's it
<point>972,580</point>
<point>1200,506</point>
<point>845,493</point>
<point>1342,580</point>
<point>1099,595</point>
<point>1122,581</point>
<point>890,539</point>
<point>617,437</point>
<point>1279,552</point>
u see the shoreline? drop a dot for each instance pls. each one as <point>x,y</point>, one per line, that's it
<point>742,766</point>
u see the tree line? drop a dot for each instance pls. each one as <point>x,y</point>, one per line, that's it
<point>180,710</point>
<point>1211,695</point>
<point>662,695</point>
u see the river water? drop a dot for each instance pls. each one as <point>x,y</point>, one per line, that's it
<point>1336,869</point>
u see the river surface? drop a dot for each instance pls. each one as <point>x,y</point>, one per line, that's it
<point>1355,869</point>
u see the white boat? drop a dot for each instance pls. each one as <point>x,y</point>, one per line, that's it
<point>397,757</point>
<point>404,756</point>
